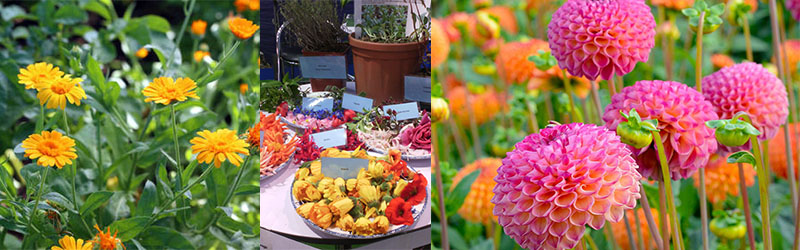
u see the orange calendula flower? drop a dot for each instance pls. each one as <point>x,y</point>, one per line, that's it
<point>721,61</point>
<point>199,55</point>
<point>69,243</point>
<point>218,146</point>
<point>105,240</point>
<point>242,5</point>
<point>621,235</point>
<point>38,74</point>
<point>242,28</point>
<point>199,27</point>
<point>59,90</point>
<point>477,205</point>
<point>142,53</point>
<point>51,148</point>
<point>164,90</point>
<point>243,88</point>
<point>722,179</point>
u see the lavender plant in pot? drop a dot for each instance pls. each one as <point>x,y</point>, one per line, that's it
<point>317,27</point>
<point>384,53</point>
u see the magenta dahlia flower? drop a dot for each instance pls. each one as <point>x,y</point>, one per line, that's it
<point>751,88</point>
<point>794,7</point>
<point>556,182</point>
<point>594,38</point>
<point>681,112</point>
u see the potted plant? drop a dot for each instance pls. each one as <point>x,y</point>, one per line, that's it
<point>317,26</point>
<point>384,54</point>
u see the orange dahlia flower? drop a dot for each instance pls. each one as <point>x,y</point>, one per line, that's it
<point>621,234</point>
<point>482,105</point>
<point>673,4</point>
<point>440,46</point>
<point>477,205</point>
<point>721,61</point>
<point>722,179</point>
<point>777,151</point>
<point>513,66</point>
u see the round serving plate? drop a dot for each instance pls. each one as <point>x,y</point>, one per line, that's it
<point>289,135</point>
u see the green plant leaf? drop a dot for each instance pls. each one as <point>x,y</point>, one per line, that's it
<point>717,9</point>
<point>455,198</point>
<point>70,14</point>
<point>98,8</point>
<point>689,12</point>
<point>716,123</point>
<point>148,200</point>
<point>742,157</point>
<point>156,23</point>
<point>158,237</point>
<point>225,222</point>
<point>95,200</point>
<point>130,227</point>
<point>96,74</point>
<point>715,20</point>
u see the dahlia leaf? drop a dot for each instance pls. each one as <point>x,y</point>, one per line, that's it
<point>715,20</point>
<point>716,123</point>
<point>689,12</point>
<point>750,130</point>
<point>701,5</point>
<point>650,125</point>
<point>742,157</point>
<point>455,198</point>
<point>717,9</point>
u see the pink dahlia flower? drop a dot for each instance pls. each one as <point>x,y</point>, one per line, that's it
<point>794,7</point>
<point>594,38</point>
<point>558,181</point>
<point>751,88</point>
<point>681,112</point>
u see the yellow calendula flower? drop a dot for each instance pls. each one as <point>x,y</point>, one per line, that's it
<point>305,191</point>
<point>51,148</point>
<point>105,240</point>
<point>346,223</point>
<point>242,28</point>
<point>243,88</point>
<point>219,145</point>
<point>165,90</point>
<point>199,55</point>
<point>380,225</point>
<point>69,243</point>
<point>305,209</point>
<point>321,215</point>
<point>363,226</point>
<point>142,53</point>
<point>57,91</point>
<point>38,74</point>
<point>341,206</point>
<point>199,27</point>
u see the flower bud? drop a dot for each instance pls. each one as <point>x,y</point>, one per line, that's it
<point>723,228</point>
<point>440,111</point>
<point>636,132</point>
<point>487,26</point>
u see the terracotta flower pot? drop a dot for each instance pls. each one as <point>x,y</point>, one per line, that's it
<point>320,84</point>
<point>380,67</point>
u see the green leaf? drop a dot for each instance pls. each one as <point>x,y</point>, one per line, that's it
<point>130,227</point>
<point>11,11</point>
<point>689,12</point>
<point>217,186</point>
<point>96,74</point>
<point>156,23</point>
<point>650,125</point>
<point>95,200</point>
<point>455,198</point>
<point>227,223</point>
<point>715,20</point>
<point>716,123</point>
<point>98,8</point>
<point>701,5</point>
<point>750,130</point>
<point>157,237</point>
<point>148,200</point>
<point>717,9</point>
<point>69,14</point>
<point>742,157</point>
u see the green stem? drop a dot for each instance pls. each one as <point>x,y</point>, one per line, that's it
<point>651,223</point>
<point>596,100</point>
<point>763,184</point>
<point>570,93</point>
<point>74,165</point>
<point>746,207</point>
<point>136,156</point>
<point>230,194</point>
<point>99,151</point>
<point>632,243</point>
<point>589,239</point>
<point>188,13</point>
<point>746,28</point>
<point>177,146</point>
<point>699,84</point>
<point>40,121</point>
<point>612,243</point>
<point>667,180</point>
<point>38,198</point>
<point>162,207</point>
<point>639,236</point>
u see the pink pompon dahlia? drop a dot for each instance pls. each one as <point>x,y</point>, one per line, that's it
<point>751,88</point>
<point>681,112</point>
<point>603,38</point>
<point>560,180</point>
<point>794,7</point>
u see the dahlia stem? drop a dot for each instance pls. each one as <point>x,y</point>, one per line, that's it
<point>38,198</point>
<point>703,207</point>
<point>699,62</point>
<point>667,180</point>
<point>746,204</point>
<point>574,109</point>
<point>746,29</point>
<point>763,180</point>
<point>638,229</point>
<point>440,192</point>
<point>460,144</point>
<point>776,43</point>
<point>631,243</point>
<point>548,103</point>
<point>596,99</point>
<point>698,73</point>
<point>498,230</point>
<point>620,82</point>
<point>651,223</point>
<point>177,146</point>
<point>663,216</point>
<point>533,123</point>
<point>612,88</point>
<point>589,239</point>
<point>612,243</point>
<point>665,45</point>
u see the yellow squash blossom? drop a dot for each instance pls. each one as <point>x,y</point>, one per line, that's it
<point>242,28</point>
<point>165,90</point>
<point>38,74</point>
<point>58,91</point>
<point>375,170</point>
<point>368,193</point>
<point>219,145</point>
<point>351,184</point>
<point>341,206</point>
<point>301,174</point>
<point>305,191</point>
<point>305,209</point>
<point>380,225</point>
<point>346,223</point>
<point>401,184</point>
<point>51,148</point>
<point>321,215</point>
<point>199,27</point>
<point>142,53</point>
<point>69,243</point>
<point>105,240</point>
<point>363,226</point>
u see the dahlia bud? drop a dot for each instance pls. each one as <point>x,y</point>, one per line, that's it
<point>711,19</point>
<point>487,26</point>
<point>733,132</point>
<point>480,4</point>
<point>728,226</point>
<point>668,30</point>
<point>738,9</point>
<point>440,110</point>
<point>635,132</point>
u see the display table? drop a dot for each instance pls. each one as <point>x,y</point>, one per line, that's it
<point>283,228</point>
